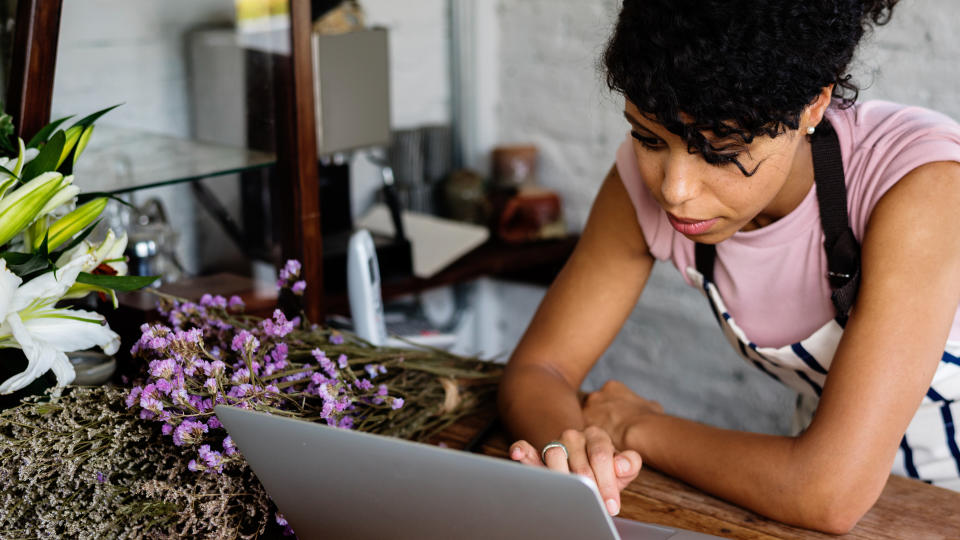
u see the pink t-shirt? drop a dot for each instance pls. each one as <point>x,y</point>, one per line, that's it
<point>773,279</point>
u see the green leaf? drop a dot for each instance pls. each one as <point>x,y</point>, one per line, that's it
<point>8,171</point>
<point>44,134</point>
<point>89,120</point>
<point>117,283</point>
<point>47,159</point>
<point>25,264</point>
<point>90,195</point>
<point>15,257</point>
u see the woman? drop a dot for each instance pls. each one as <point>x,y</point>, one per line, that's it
<point>843,284</point>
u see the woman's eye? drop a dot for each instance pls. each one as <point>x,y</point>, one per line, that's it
<point>651,143</point>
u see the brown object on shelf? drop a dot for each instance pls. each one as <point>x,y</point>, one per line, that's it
<point>906,508</point>
<point>514,165</point>
<point>532,214</point>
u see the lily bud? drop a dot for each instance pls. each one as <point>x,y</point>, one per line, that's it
<point>73,223</point>
<point>21,207</point>
<point>82,143</point>
<point>72,136</point>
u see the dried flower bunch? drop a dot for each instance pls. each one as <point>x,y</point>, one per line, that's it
<point>212,353</point>
<point>84,467</point>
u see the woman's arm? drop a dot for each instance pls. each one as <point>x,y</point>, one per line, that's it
<point>578,318</point>
<point>829,476</point>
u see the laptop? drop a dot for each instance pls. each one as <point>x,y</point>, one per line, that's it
<point>336,483</point>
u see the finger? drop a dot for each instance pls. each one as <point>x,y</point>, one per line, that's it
<point>627,465</point>
<point>579,462</point>
<point>600,453</point>
<point>525,453</point>
<point>556,460</point>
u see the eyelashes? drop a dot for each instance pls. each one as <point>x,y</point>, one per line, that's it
<point>651,143</point>
<point>716,159</point>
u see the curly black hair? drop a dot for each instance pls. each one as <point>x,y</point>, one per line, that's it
<point>738,68</point>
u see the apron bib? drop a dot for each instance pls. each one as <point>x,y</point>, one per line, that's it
<point>929,450</point>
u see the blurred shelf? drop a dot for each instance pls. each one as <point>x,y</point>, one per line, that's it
<point>122,160</point>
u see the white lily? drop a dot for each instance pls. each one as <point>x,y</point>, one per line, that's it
<point>108,252</point>
<point>29,321</point>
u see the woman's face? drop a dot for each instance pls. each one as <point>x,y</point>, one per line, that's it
<point>709,203</point>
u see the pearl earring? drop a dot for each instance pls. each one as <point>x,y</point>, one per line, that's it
<point>811,130</point>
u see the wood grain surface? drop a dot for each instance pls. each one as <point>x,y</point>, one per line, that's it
<point>907,509</point>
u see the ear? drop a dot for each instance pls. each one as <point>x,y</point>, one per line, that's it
<point>813,114</point>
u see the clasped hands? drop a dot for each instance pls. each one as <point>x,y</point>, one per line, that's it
<point>597,452</point>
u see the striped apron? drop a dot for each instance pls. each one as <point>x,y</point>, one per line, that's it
<point>929,449</point>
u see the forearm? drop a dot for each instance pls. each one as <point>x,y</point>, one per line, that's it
<point>776,476</point>
<point>537,404</point>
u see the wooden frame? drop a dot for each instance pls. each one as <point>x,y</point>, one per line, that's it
<point>295,201</point>
<point>30,89</point>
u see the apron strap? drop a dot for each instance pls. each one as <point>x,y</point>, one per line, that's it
<point>840,245</point>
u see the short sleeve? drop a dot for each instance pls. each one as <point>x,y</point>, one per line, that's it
<point>883,142</point>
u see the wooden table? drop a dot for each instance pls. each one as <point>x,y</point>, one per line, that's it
<point>907,509</point>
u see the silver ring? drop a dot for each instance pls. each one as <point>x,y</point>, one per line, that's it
<point>553,444</point>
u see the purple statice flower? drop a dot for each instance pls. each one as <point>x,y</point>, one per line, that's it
<point>318,378</point>
<point>193,465</point>
<point>323,391</point>
<point>327,411</point>
<point>180,397</point>
<point>236,303</point>
<point>214,423</point>
<point>343,403</point>
<point>241,391</point>
<point>228,447</point>
<point>336,338</point>
<point>364,384</point>
<point>146,415</point>
<point>242,374</point>
<point>213,301</point>
<point>272,389</point>
<point>279,326</point>
<point>279,354</point>
<point>194,336</point>
<point>101,478</point>
<point>342,361</point>
<point>188,432</point>
<point>134,396</point>
<point>382,390</point>
<point>164,386</point>
<point>281,521</point>
<point>215,368</point>
<point>396,403</point>
<point>163,369</point>
<point>291,270</point>
<point>244,341</point>
<point>150,399</point>
<point>210,385</point>
<point>298,287</point>
<point>211,458</point>
<point>166,429</point>
<point>372,370</point>
<point>346,423</point>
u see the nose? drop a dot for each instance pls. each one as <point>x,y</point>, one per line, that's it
<point>681,182</point>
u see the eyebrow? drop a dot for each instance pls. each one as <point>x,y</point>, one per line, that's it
<point>630,118</point>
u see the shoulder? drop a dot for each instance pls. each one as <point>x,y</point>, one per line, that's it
<point>884,142</point>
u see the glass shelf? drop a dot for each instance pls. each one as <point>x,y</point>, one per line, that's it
<point>122,160</point>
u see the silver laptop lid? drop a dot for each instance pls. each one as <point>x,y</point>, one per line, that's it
<point>334,483</point>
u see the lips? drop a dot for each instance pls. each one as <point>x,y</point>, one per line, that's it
<point>690,227</point>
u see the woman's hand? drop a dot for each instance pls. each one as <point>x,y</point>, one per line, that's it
<point>593,456</point>
<point>614,408</point>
